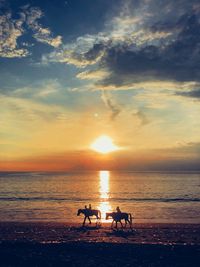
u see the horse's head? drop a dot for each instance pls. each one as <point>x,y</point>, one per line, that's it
<point>79,212</point>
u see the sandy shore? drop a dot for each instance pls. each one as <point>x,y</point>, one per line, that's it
<point>64,232</point>
<point>58,244</point>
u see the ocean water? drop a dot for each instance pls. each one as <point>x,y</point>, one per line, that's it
<point>56,197</point>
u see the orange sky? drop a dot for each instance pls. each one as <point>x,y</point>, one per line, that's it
<point>167,160</point>
<point>117,73</point>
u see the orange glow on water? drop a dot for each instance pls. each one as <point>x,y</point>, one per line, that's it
<point>104,190</point>
<point>104,184</point>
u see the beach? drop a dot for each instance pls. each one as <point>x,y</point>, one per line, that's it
<point>39,225</point>
<point>64,244</point>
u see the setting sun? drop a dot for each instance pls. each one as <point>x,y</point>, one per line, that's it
<point>104,144</point>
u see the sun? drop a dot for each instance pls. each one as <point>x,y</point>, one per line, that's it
<point>103,144</point>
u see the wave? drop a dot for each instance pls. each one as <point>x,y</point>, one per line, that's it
<point>50,199</point>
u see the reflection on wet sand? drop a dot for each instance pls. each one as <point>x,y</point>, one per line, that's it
<point>104,190</point>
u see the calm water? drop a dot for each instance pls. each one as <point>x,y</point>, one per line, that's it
<point>150,197</point>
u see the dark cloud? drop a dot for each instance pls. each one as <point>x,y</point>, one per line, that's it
<point>192,94</point>
<point>94,52</point>
<point>147,40</point>
<point>168,48</point>
<point>177,61</point>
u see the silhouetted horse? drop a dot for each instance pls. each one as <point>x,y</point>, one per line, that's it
<point>118,216</point>
<point>88,213</point>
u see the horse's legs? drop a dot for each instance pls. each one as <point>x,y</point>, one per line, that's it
<point>84,221</point>
<point>121,224</point>
<point>130,224</point>
<point>125,223</point>
<point>97,217</point>
<point>116,225</point>
<point>88,219</point>
<point>112,223</point>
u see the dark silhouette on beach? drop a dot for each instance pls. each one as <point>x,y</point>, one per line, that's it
<point>119,216</point>
<point>89,212</point>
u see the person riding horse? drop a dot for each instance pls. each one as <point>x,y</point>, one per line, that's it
<point>118,209</point>
<point>89,212</point>
<point>87,217</point>
<point>118,216</point>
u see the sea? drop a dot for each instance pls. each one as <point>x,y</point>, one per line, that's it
<point>151,197</point>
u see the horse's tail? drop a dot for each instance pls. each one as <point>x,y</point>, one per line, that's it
<point>99,212</point>
<point>131,219</point>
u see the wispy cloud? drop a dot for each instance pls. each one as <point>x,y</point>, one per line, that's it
<point>142,117</point>
<point>25,110</point>
<point>98,74</point>
<point>38,90</point>
<point>111,104</point>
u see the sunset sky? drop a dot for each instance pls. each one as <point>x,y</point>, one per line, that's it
<point>72,71</point>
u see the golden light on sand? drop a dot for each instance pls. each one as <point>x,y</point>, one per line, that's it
<point>104,144</point>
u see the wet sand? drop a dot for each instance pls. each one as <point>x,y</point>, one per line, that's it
<point>59,244</point>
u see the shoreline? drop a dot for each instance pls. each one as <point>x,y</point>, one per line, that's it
<point>103,224</point>
<point>54,232</point>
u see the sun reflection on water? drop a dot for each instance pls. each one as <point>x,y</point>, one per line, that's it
<point>104,184</point>
<point>104,189</point>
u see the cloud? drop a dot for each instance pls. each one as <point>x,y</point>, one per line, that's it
<point>184,150</point>
<point>111,104</point>
<point>156,54</point>
<point>140,47</point>
<point>93,74</point>
<point>11,29</point>
<point>178,61</point>
<point>137,84</point>
<point>173,59</point>
<point>83,52</point>
<point>193,94</point>
<point>38,90</point>
<point>41,34</point>
<point>90,49</point>
<point>142,117</point>
<point>128,27</point>
<point>18,110</point>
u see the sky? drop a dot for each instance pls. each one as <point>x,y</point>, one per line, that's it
<point>71,71</point>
